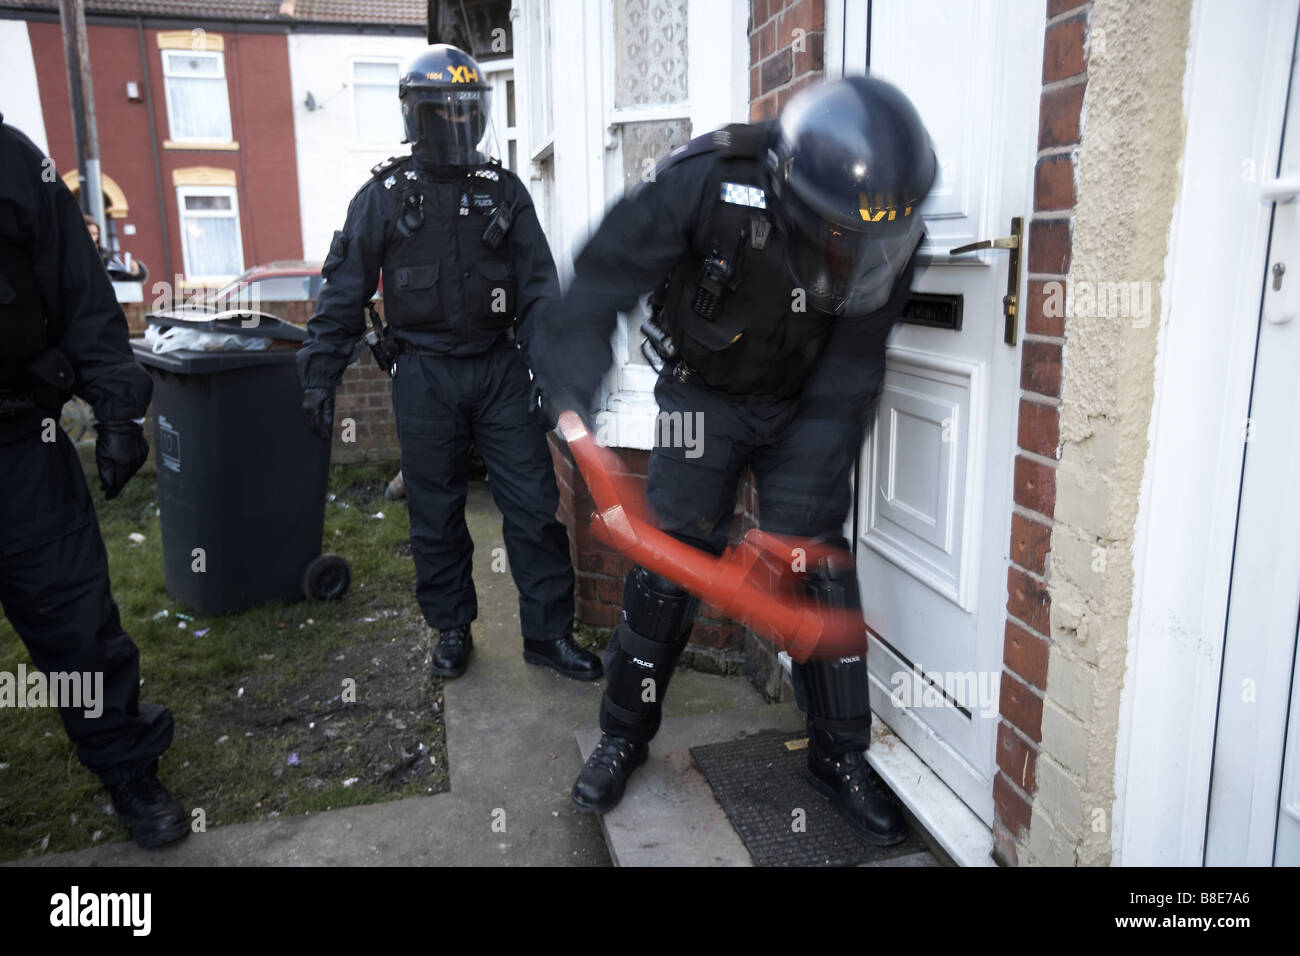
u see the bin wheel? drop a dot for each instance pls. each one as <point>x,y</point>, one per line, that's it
<point>326,578</point>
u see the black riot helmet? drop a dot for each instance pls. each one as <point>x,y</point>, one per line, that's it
<point>851,167</point>
<point>445,106</point>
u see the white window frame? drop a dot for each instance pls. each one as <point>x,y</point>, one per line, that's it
<point>183,192</point>
<point>499,73</point>
<point>362,144</point>
<point>220,57</point>
<point>541,102</point>
<point>496,73</point>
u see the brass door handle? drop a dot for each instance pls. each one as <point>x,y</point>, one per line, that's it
<point>1013,243</point>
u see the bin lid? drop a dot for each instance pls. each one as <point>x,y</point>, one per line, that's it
<point>188,362</point>
<point>237,321</point>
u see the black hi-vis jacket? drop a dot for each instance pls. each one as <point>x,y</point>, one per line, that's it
<point>445,289</point>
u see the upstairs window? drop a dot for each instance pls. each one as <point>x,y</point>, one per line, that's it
<point>377,114</point>
<point>198,105</point>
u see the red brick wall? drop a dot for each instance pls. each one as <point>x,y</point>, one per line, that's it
<point>261,116</point>
<point>786,49</point>
<point>365,395</point>
<point>123,126</point>
<point>1028,630</point>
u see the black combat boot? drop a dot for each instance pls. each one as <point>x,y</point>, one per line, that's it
<point>600,785</point>
<point>451,656</point>
<point>566,656</point>
<point>151,813</point>
<point>853,787</point>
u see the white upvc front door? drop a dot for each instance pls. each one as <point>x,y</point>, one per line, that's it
<point>1254,814</point>
<point>935,480</point>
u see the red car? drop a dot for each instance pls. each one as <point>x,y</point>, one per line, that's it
<point>284,281</point>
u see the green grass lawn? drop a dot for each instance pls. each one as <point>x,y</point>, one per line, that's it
<point>261,726</point>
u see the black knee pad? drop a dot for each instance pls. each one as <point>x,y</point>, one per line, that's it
<point>656,608</point>
<point>833,583</point>
<point>643,652</point>
<point>637,672</point>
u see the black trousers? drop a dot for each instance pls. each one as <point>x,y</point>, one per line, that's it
<point>54,588</point>
<point>442,403</point>
<point>802,456</point>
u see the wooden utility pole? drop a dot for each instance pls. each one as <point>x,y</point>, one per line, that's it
<point>81,93</point>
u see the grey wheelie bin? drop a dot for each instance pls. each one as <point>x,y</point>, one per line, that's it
<point>241,477</point>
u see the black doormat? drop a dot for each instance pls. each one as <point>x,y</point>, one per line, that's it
<point>782,820</point>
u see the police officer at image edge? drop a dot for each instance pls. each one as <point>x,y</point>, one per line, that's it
<point>63,333</point>
<point>466,275</point>
<point>778,257</point>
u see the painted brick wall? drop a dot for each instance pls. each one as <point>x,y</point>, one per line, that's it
<point>1028,628</point>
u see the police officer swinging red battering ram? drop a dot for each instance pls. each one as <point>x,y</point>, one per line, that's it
<point>778,258</point>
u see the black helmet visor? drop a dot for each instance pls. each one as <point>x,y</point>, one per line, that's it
<point>450,127</point>
<point>847,271</point>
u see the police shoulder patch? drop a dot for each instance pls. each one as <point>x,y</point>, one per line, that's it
<point>739,194</point>
<point>491,174</point>
<point>387,166</point>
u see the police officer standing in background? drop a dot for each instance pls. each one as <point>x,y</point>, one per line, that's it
<point>62,332</point>
<point>788,252</point>
<point>466,273</point>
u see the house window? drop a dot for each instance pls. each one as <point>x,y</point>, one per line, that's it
<point>210,236</point>
<point>652,114</point>
<point>198,106</point>
<point>377,114</point>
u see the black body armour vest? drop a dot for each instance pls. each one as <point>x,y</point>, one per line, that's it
<point>441,277</point>
<point>22,322</point>
<point>731,304</point>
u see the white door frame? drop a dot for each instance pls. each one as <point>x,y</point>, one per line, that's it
<point>1234,95</point>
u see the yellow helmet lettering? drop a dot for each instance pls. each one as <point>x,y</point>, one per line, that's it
<point>887,211</point>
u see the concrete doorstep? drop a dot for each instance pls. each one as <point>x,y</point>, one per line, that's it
<point>669,815</point>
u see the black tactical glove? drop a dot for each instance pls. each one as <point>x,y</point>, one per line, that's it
<point>546,405</point>
<point>318,406</point>
<point>120,450</point>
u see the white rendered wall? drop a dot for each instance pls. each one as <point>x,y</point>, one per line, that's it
<point>332,166</point>
<point>20,100</point>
